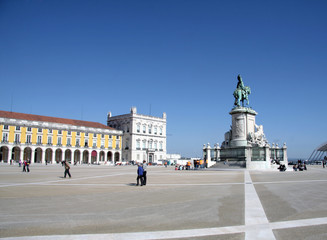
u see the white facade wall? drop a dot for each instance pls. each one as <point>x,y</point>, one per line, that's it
<point>144,136</point>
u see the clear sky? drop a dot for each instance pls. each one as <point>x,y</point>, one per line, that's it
<point>81,59</point>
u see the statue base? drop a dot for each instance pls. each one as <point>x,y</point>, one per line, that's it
<point>243,124</point>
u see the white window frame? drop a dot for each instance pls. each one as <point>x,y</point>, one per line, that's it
<point>5,137</point>
<point>28,138</point>
<point>17,138</point>
<point>39,140</point>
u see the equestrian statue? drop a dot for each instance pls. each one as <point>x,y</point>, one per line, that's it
<point>241,93</point>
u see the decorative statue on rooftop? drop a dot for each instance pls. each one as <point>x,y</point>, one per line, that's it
<point>241,93</point>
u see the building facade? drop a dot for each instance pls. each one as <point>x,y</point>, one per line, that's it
<point>144,137</point>
<point>43,139</point>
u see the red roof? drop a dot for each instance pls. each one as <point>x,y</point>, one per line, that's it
<point>32,117</point>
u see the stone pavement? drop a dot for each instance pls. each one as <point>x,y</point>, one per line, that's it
<point>102,202</point>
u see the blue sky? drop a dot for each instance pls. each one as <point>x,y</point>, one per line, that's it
<point>82,59</point>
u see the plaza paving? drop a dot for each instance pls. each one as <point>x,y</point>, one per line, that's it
<point>102,202</point>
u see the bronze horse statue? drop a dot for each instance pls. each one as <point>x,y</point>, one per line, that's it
<point>242,94</point>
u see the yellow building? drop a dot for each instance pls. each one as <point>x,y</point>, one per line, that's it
<point>43,139</point>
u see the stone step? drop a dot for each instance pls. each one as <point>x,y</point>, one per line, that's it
<point>230,164</point>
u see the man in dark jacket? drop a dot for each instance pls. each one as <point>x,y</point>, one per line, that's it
<point>67,167</point>
<point>139,174</point>
<point>145,166</point>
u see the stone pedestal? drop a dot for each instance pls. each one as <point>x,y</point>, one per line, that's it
<point>243,123</point>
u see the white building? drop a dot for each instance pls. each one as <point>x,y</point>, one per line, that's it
<point>144,137</point>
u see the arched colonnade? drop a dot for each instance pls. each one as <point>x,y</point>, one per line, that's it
<point>48,155</point>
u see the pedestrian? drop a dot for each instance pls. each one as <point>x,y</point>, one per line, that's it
<point>24,165</point>
<point>67,167</point>
<point>145,166</point>
<point>28,162</point>
<point>20,163</point>
<point>139,175</point>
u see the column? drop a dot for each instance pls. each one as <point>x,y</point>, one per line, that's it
<point>89,160</point>
<point>208,153</point>
<point>267,156</point>
<point>21,154</point>
<point>33,155</point>
<point>52,156</point>
<point>62,155</point>
<point>10,153</point>
<point>73,153</point>
<point>43,156</point>
<point>204,152</point>
<point>285,155</point>
<point>98,156</point>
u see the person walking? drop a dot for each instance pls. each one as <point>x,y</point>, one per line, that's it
<point>67,167</point>
<point>139,175</point>
<point>28,162</point>
<point>24,165</point>
<point>145,166</point>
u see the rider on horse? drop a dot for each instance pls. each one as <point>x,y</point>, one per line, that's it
<point>241,93</point>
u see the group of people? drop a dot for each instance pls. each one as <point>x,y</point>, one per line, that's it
<point>26,165</point>
<point>196,165</point>
<point>141,173</point>
<point>187,166</point>
<point>282,168</point>
<point>300,166</point>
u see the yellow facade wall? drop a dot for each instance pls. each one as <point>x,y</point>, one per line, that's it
<point>1,127</point>
<point>106,141</point>
<point>11,137</point>
<point>34,135</point>
<point>64,138</point>
<point>90,139</point>
<point>114,142</point>
<point>73,139</point>
<point>44,136</point>
<point>99,140</point>
<point>82,139</point>
<point>23,134</point>
<point>55,137</point>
